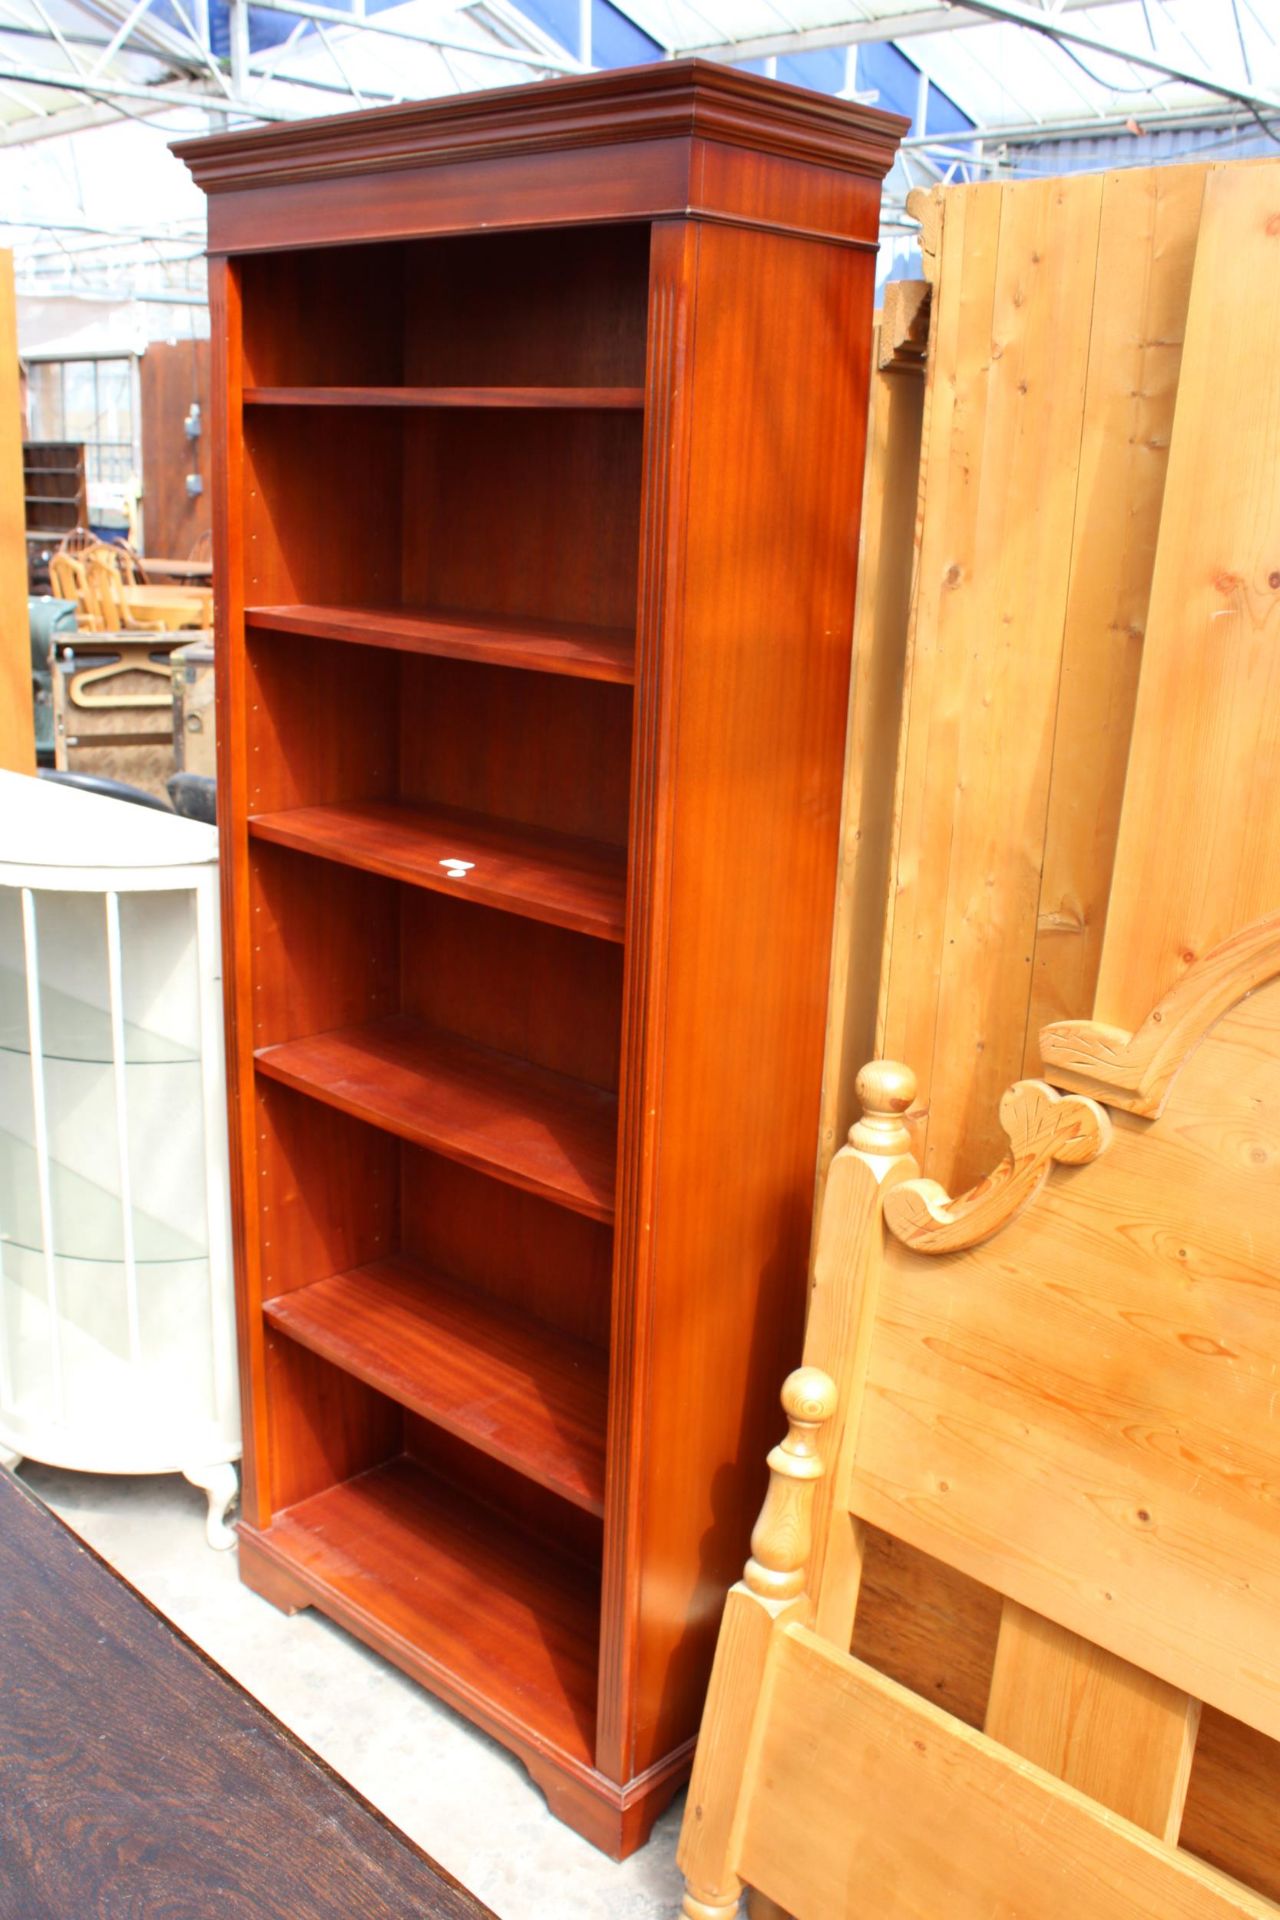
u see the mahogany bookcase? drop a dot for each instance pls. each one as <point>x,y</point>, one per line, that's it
<point>540,419</point>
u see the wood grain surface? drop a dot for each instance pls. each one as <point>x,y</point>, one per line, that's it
<point>550,877</point>
<point>991,1837</point>
<point>551,1135</point>
<point>17,721</point>
<point>1123,1737</point>
<point>494,1618</point>
<point>546,647</point>
<point>171,375</point>
<point>521,1391</point>
<point>1082,1412</point>
<point>585,398</point>
<point>136,1777</point>
<point>675,583</point>
<point>1058,316</point>
<point>1207,727</point>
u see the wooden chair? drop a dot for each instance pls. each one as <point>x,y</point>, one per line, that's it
<point>133,572</point>
<point>79,540</point>
<point>108,588</point>
<point>69,580</point>
<point>202,546</point>
<point>1064,1384</point>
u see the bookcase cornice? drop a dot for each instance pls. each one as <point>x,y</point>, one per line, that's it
<point>691,99</point>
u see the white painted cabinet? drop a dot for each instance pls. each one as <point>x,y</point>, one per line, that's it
<point>117,1340</point>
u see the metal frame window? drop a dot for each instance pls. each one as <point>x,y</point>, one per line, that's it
<point>93,400</point>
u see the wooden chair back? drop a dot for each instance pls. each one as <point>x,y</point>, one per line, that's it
<point>103,567</point>
<point>78,540</point>
<point>129,563</point>
<point>69,579</point>
<point>1064,1384</point>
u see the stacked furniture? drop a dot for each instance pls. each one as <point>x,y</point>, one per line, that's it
<point>540,419</point>
<point>57,500</point>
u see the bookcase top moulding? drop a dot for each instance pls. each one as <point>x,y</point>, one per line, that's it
<point>633,143</point>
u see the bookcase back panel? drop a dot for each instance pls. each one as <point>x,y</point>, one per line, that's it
<point>328,1190</point>
<point>525,512</point>
<point>529,1508</point>
<point>321,316</point>
<point>340,948</point>
<point>336,1193</point>
<point>322,505</point>
<point>327,946</point>
<point>320,722</point>
<point>324,1424</point>
<point>508,1244</point>
<point>440,312</point>
<point>533,747</point>
<point>581,294</point>
<point>533,991</point>
<point>328,722</point>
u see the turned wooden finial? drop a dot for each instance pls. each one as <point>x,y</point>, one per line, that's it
<point>724,1908</point>
<point>886,1090</point>
<point>782,1537</point>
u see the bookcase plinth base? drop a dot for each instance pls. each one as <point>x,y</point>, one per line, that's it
<point>617,1819</point>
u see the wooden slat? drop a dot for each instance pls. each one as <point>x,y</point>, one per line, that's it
<point>543,876</point>
<point>1146,250</point>
<point>885,564</point>
<point>1082,1412</point>
<point>960,354</point>
<point>516,1389</point>
<point>926,1625</point>
<point>540,1131</point>
<point>171,375</point>
<point>1006,620</point>
<point>856,1783</point>
<point>542,646</point>
<point>1118,1734</point>
<point>1039,515</point>
<point>1230,1817</point>
<point>17,723</point>
<point>1199,846</point>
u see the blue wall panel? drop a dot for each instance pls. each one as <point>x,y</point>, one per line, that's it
<point>885,70</point>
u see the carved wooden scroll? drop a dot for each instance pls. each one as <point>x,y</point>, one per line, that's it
<point>1136,1070</point>
<point>1043,1127</point>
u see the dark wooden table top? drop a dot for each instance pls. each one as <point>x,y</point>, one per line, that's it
<point>139,1782</point>
<point>161,570</point>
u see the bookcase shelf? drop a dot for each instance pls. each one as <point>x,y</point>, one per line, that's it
<point>550,877</point>
<point>534,668</point>
<point>512,1387</point>
<point>541,1131</point>
<point>540,646</point>
<point>413,1564</point>
<point>582,399</point>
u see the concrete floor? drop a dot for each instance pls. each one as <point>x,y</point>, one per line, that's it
<point>461,1797</point>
